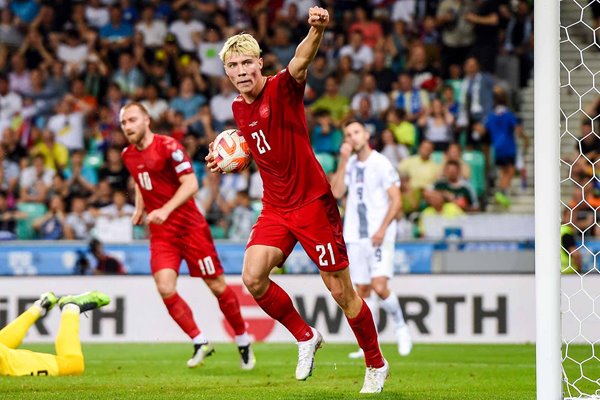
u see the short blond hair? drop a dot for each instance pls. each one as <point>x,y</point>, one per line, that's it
<point>243,44</point>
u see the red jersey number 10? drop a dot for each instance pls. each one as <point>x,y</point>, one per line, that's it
<point>261,142</point>
<point>144,179</point>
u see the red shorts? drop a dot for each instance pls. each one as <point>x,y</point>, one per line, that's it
<point>316,225</point>
<point>196,248</point>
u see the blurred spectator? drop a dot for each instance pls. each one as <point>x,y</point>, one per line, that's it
<point>325,136</point>
<point>364,114</point>
<point>503,127</point>
<point>55,154</point>
<point>420,168</point>
<point>385,75</point>
<point>454,153</point>
<point>79,221</point>
<point>449,101</point>
<point>73,52</point>
<point>486,20</point>
<point>81,179</point>
<point>114,170</point>
<point>455,188</point>
<point>413,100</point>
<point>456,30</point>
<point>8,218</point>
<point>51,225</point>
<point>437,206</point>
<point>129,78</point>
<point>378,100</point>
<point>348,80</point>
<point>19,79</point>
<point>437,124</point>
<point>9,174</point>
<point>105,264</point>
<point>220,104</point>
<point>96,14</point>
<point>102,196</point>
<point>242,217</point>
<point>477,100</point>
<point>35,181</point>
<point>360,54</point>
<point>318,72</point>
<point>43,96</point>
<point>424,75</point>
<point>116,35</point>
<point>184,28</point>
<point>208,53</point>
<point>281,44</point>
<point>518,43</point>
<point>157,107</point>
<point>80,99</point>
<point>10,103</point>
<point>12,147</point>
<point>391,149</point>
<point>67,124</point>
<point>58,187</point>
<point>404,131</point>
<point>96,77</point>
<point>9,33</point>
<point>189,103</point>
<point>370,29</point>
<point>153,29</point>
<point>332,101</point>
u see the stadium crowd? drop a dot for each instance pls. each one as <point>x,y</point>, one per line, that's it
<point>436,82</point>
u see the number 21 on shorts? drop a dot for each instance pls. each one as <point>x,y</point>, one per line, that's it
<point>325,254</point>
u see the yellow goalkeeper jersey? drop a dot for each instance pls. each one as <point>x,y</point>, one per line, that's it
<point>19,362</point>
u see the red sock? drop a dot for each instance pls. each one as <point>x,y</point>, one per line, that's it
<point>278,305</point>
<point>228,302</point>
<point>182,314</point>
<point>364,329</point>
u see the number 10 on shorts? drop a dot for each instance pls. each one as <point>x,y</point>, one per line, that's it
<point>207,267</point>
<point>323,250</point>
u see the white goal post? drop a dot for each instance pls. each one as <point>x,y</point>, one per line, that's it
<point>547,199</point>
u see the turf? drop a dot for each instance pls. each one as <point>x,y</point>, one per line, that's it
<point>158,371</point>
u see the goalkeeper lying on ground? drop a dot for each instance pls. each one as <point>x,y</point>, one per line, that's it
<point>69,358</point>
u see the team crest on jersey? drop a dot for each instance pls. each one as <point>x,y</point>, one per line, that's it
<point>177,155</point>
<point>264,111</point>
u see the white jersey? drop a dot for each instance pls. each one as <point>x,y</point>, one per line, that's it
<point>368,201</point>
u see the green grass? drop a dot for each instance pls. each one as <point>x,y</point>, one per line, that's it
<point>158,371</point>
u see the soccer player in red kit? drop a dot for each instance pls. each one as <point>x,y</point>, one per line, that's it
<point>164,185</point>
<point>297,203</point>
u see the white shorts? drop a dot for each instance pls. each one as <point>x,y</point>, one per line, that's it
<point>368,262</point>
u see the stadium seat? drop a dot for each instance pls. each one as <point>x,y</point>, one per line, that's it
<point>327,161</point>
<point>437,157</point>
<point>24,227</point>
<point>217,232</point>
<point>476,160</point>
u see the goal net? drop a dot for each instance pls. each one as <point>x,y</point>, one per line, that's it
<point>580,196</point>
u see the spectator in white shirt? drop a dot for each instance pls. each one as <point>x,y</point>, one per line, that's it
<point>73,52</point>
<point>361,54</point>
<point>184,28</point>
<point>79,221</point>
<point>379,100</point>
<point>10,103</point>
<point>208,53</point>
<point>35,181</point>
<point>156,107</point>
<point>220,104</point>
<point>154,30</point>
<point>96,14</point>
<point>67,125</point>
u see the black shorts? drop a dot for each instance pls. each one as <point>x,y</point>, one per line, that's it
<point>505,161</point>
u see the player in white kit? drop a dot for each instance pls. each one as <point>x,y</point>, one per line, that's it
<point>373,202</point>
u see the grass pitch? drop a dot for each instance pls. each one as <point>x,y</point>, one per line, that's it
<point>158,371</point>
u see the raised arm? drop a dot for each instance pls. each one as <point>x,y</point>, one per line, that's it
<point>318,18</point>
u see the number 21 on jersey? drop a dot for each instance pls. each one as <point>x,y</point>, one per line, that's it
<point>261,141</point>
<point>144,179</point>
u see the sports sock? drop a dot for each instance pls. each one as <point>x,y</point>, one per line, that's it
<point>364,329</point>
<point>278,305</point>
<point>243,339</point>
<point>373,304</point>
<point>200,339</point>
<point>68,346</point>
<point>182,314</point>
<point>13,334</point>
<point>392,306</point>
<point>230,306</point>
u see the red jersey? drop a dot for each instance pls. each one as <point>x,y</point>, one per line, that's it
<point>275,127</point>
<point>156,171</point>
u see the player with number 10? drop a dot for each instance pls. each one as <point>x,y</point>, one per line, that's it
<point>164,185</point>
<point>298,205</point>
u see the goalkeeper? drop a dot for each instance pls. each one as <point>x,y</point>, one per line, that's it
<point>69,358</point>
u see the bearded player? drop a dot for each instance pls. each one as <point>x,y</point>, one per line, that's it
<point>297,203</point>
<point>164,184</point>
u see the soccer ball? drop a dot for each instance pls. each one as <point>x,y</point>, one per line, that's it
<point>231,151</point>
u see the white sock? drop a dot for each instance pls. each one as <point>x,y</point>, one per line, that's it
<point>200,339</point>
<point>373,304</point>
<point>243,339</point>
<point>392,306</point>
<point>71,307</point>
<point>37,304</point>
